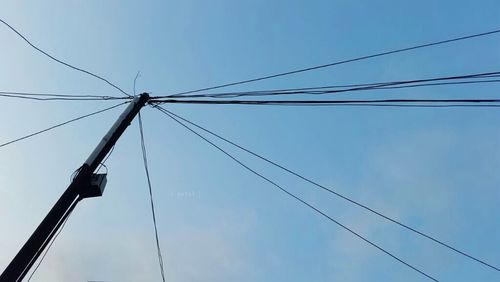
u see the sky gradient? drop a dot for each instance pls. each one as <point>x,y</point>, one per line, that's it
<point>435,169</point>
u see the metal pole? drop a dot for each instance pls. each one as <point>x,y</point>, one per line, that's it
<point>30,251</point>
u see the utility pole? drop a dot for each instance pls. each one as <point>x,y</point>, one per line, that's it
<point>85,184</point>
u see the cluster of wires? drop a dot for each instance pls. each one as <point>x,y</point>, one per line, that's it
<point>226,98</point>
<point>247,98</point>
<point>488,77</point>
<point>58,97</point>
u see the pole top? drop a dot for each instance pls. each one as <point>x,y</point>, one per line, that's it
<point>144,98</point>
<point>109,140</point>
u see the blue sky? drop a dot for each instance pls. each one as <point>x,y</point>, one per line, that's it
<point>433,169</point>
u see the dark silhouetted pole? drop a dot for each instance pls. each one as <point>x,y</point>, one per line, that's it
<point>77,190</point>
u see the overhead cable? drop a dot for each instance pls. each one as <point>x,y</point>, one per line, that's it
<point>298,198</point>
<point>335,89</point>
<point>153,213</point>
<point>60,124</point>
<point>330,190</point>
<point>344,61</point>
<point>61,61</point>
<point>57,97</point>
<point>60,226</point>
<point>385,102</point>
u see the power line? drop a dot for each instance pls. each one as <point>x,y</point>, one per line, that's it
<point>343,62</point>
<point>349,88</point>
<point>333,192</point>
<point>52,96</point>
<point>320,91</point>
<point>323,102</point>
<point>61,61</point>
<point>296,197</point>
<point>60,124</point>
<point>145,160</point>
<point>400,105</point>
<point>57,98</point>
<point>378,84</point>
<point>63,220</point>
